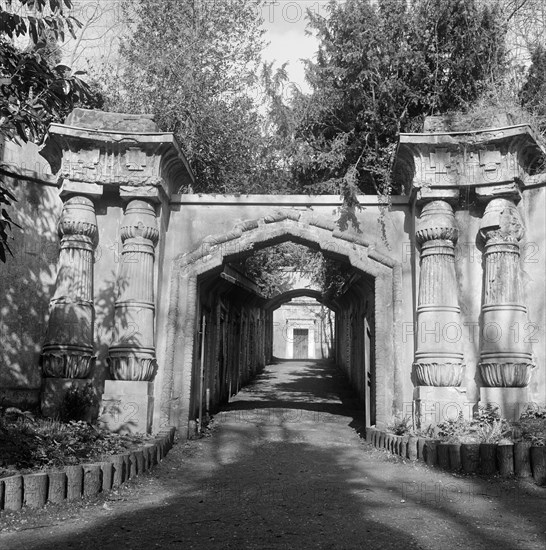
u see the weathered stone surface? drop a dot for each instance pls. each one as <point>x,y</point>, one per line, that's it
<point>505,361</point>
<point>510,401</point>
<point>13,492</point>
<point>120,122</point>
<point>522,459</point>
<point>57,487</point>
<point>68,351</point>
<point>35,489</point>
<point>127,406</point>
<point>438,360</point>
<point>74,482</point>
<point>92,479</point>
<point>505,459</point>
<point>132,353</point>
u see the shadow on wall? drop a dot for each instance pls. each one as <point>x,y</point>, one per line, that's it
<point>27,284</point>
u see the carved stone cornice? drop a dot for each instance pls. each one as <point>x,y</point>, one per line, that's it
<point>94,149</point>
<point>495,162</point>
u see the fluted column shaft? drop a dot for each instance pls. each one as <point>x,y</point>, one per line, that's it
<point>132,353</point>
<point>438,359</point>
<point>68,349</point>
<point>505,359</point>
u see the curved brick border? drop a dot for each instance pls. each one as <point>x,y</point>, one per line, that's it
<point>73,482</point>
<point>506,460</point>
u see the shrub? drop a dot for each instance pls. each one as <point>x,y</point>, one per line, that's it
<point>401,426</point>
<point>78,402</point>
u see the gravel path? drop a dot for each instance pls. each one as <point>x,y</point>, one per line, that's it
<point>284,467</point>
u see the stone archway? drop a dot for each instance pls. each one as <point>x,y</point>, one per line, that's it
<point>246,238</point>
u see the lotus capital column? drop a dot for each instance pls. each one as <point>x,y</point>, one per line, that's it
<point>505,359</point>
<point>438,359</point>
<point>68,349</point>
<point>132,353</point>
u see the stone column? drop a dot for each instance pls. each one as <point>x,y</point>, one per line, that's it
<point>132,353</point>
<point>438,367</point>
<point>505,355</point>
<point>128,398</point>
<point>68,351</point>
<point>438,358</point>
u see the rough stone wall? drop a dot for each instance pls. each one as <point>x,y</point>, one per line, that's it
<point>27,278</point>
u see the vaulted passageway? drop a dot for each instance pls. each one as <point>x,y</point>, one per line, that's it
<point>241,327</point>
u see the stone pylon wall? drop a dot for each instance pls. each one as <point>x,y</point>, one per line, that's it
<point>454,269</point>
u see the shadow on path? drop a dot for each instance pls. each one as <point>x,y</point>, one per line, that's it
<point>282,469</point>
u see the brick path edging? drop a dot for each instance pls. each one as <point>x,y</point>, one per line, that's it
<point>73,482</point>
<point>521,459</point>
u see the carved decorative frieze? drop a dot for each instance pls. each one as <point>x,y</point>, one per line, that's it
<point>132,353</point>
<point>438,361</point>
<point>505,361</point>
<point>68,349</point>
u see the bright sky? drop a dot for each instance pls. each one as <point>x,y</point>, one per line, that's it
<point>285,22</point>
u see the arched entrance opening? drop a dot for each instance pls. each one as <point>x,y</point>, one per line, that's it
<point>220,329</point>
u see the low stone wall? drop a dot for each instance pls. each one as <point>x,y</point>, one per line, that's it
<point>83,480</point>
<point>520,459</point>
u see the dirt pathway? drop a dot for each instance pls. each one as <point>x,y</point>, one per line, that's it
<point>284,467</point>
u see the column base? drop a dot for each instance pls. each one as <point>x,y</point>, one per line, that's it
<point>127,406</point>
<point>511,401</point>
<point>433,405</point>
<point>53,394</point>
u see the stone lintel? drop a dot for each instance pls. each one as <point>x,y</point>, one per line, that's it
<point>127,406</point>
<point>427,193</point>
<point>144,192</point>
<point>432,405</point>
<point>508,190</point>
<point>80,188</point>
<point>511,401</point>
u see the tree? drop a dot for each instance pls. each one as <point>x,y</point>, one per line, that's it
<point>193,65</point>
<point>533,92</point>
<point>34,91</point>
<point>381,68</point>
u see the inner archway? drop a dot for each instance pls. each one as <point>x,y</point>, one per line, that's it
<point>195,273</point>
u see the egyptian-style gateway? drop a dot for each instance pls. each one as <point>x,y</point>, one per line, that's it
<point>119,279</point>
